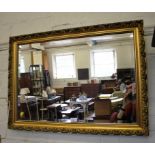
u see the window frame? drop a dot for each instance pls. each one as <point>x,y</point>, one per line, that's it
<point>55,77</point>
<point>92,63</point>
<point>21,64</point>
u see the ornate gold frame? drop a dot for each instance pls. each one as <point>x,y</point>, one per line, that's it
<point>141,128</point>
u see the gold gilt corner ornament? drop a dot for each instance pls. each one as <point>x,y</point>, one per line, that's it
<point>139,128</point>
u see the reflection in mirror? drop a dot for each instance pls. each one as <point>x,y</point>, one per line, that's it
<point>83,80</point>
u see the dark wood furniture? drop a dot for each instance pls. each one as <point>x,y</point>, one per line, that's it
<point>109,83</point>
<point>69,91</point>
<point>107,86</point>
<point>25,81</point>
<point>92,90</point>
<point>108,90</point>
<point>126,73</point>
<point>102,108</point>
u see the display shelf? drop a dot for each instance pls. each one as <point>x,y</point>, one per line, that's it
<point>37,78</point>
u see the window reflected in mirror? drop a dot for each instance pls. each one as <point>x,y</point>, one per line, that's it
<point>83,80</point>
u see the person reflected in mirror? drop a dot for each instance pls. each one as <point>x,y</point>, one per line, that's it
<point>131,88</point>
<point>120,85</point>
<point>127,113</point>
<point>82,95</point>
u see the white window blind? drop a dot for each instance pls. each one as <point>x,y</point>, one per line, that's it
<point>103,63</point>
<point>22,65</point>
<point>64,66</point>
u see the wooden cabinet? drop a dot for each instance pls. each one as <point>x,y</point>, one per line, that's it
<point>109,83</point>
<point>69,91</point>
<point>25,81</point>
<point>102,108</point>
<point>125,73</point>
<point>107,86</point>
<point>92,90</point>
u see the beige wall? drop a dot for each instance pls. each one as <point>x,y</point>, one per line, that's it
<point>19,23</point>
<point>124,52</point>
<point>37,58</point>
<point>27,60</point>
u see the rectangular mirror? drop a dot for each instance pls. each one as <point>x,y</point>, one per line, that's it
<point>82,80</point>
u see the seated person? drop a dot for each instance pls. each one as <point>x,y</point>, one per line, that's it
<point>127,113</point>
<point>82,96</point>
<point>131,88</point>
<point>122,86</point>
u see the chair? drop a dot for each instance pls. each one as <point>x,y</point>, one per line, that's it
<point>54,112</point>
<point>102,108</point>
<point>23,100</point>
<point>34,109</point>
<point>43,109</point>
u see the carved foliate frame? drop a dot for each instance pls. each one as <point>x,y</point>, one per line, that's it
<point>141,128</point>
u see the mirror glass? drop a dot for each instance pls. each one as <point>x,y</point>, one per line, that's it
<point>79,80</point>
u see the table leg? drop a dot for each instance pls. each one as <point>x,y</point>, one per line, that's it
<point>28,110</point>
<point>42,111</point>
<point>37,110</point>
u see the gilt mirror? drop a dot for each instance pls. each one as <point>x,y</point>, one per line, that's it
<point>82,80</point>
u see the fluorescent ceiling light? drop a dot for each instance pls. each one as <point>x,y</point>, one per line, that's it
<point>102,38</point>
<point>62,42</point>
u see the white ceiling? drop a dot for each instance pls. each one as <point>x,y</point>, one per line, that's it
<point>90,41</point>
